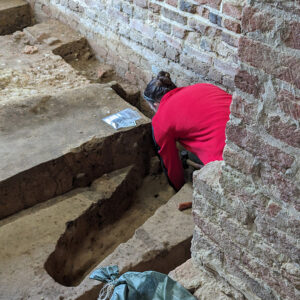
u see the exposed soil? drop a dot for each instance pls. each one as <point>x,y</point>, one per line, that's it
<point>29,237</point>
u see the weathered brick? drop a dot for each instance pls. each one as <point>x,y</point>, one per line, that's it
<point>230,39</point>
<point>288,103</point>
<point>127,8</point>
<point>277,216</point>
<point>211,3</point>
<point>140,26</point>
<point>141,3</point>
<point>154,7</point>
<point>217,235</point>
<point>164,26</point>
<point>255,145</point>
<point>147,42</point>
<point>292,6</point>
<point>197,25</point>
<point>278,239</point>
<point>288,133</point>
<point>121,17</point>
<point>206,44</point>
<point>140,13</point>
<point>254,19</point>
<point>232,10</point>
<point>174,16</point>
<point>273,209</point>
<point>214,75</point>
<point>187,6</point>
<point>215,19</point>
<point>172,54</point>
<point>169,40</point>
<point>135,36</point>
<point>240,108</point>
<point>240,160</point>
<point>186,60</point>
<point>232,26</point>
<point>202,11</point>
<point>270,276</point>
<point>201,56</point>
<point>224,67</point>
<point>172,2</point>
<point>291,35</point>
<point>159,48</point>
<point>282,66</point>
<point>179,32</point>
<point>247,83</point>
<point>228,82</point>
<point>200,67</point>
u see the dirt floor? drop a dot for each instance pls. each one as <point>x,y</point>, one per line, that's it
<point>28,238</point>
<point>32,266</point>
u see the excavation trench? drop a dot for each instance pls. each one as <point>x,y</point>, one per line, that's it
<point>107,223</point>
<point>98,182</point>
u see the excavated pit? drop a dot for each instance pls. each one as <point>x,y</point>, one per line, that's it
<point>98,231</point>
<point>61,217</point>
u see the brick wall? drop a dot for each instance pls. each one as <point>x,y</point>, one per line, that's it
<point>248,217</point>
<point>195,40</point>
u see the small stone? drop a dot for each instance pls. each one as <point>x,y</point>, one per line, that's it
<point>30,49</point>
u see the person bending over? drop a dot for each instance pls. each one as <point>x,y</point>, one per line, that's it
<point>195,116</point>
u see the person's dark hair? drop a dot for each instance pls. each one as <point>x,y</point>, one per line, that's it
<point>158,87</point>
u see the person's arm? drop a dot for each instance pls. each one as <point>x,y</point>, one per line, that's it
<point>168,153</point>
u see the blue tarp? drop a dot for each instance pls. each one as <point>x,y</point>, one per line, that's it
<point>149,285</point>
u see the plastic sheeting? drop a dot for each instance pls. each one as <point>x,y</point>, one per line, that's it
<point>122,119</point>
<point>149,285</point>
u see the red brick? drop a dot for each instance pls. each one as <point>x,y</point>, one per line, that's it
<point>288,133</point>
<point>257,147</point>
<point>232,26</point>
<point>279,240</point>
<point>244,110</point>
<point>288,103</point>
<point>217,235</point>
<point>280,186</point>
<point>247,83</point>
<point>232,10</point>
<point>211,3</point>
<point>273,279</point>
<point>141,3</point>
<point>172,2</point>
<point>273,209</point>
<point>242,161</point>
<point>273,62</point>
<point>253,20</point>
<point>291,35</point>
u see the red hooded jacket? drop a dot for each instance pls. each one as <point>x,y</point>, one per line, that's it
<point>195,116</point>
